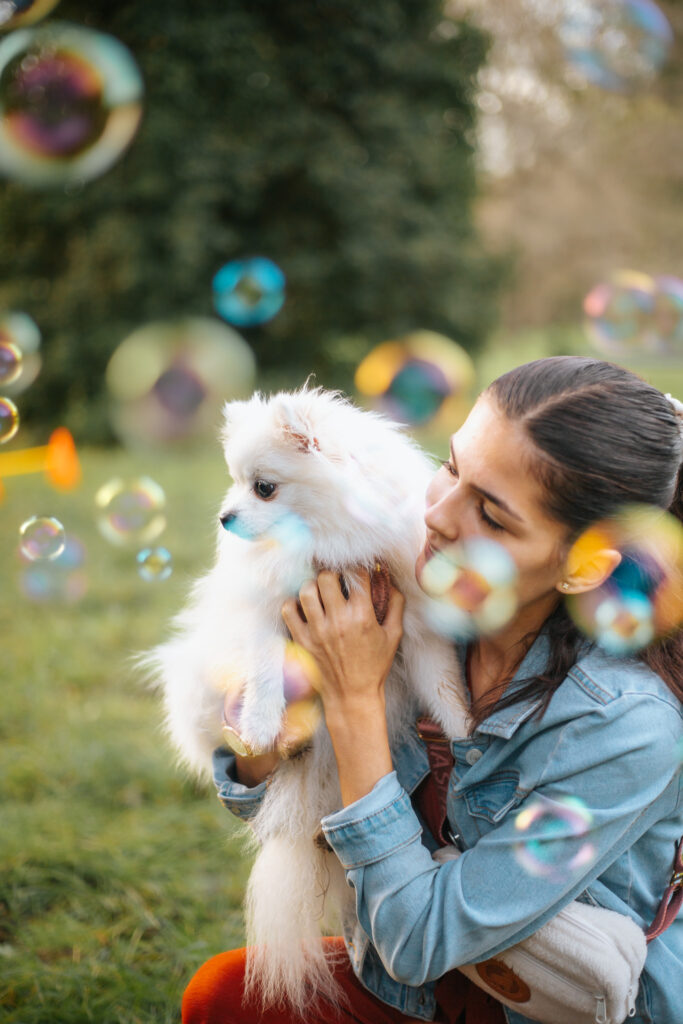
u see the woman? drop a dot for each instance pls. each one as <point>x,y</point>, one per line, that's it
<point>548,449</point>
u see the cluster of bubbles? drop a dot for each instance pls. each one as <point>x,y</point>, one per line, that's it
<point>132,514</point>
<point>302,707</point>
<point>70,103</point>
<point>551,843</point>
<point>249,292</point>
<point>61,578</point>
<point>618,45</point>
<point>473,585</point>
<point>642,599</point>
<point>19,365</point>
<point>168,380</point>
<point>635,313</point>
<point>421,378</point>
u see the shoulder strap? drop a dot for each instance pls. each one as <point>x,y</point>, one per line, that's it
<point>672,898</point>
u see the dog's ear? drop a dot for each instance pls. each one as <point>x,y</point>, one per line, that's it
<point>295,426</point>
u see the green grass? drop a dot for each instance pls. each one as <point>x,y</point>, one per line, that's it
<point>118,875</point>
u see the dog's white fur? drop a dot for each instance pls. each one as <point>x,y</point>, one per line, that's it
<point>350,491</point>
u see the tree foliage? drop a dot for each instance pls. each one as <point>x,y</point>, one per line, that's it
<point>334,136</point>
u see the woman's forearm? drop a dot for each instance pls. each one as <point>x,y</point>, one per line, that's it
<point>361,745</point>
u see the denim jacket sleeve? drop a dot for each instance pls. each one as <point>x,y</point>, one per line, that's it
<point>425,918</point>
<point>243,801</point>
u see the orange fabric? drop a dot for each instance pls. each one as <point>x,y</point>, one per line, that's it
<point>214,996</point>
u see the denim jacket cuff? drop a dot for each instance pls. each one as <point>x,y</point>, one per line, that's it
<point>240,800</point>
<point>373,827</point>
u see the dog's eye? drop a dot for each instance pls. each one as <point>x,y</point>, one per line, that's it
<point>264,489</point>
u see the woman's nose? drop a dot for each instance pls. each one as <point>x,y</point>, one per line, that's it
<point>441,516</point>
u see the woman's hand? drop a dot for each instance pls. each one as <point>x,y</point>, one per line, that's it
<point>354,654</point>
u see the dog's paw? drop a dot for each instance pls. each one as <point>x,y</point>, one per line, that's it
<point>260,726</point>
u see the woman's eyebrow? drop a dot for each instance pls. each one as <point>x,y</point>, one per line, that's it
<point>491,497</point>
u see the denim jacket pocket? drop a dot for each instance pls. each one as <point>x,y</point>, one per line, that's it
<point>495,796</point>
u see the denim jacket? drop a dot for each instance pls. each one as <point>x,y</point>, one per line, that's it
<point>612,737</point>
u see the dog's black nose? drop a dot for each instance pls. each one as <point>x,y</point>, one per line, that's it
<point>226,519</point>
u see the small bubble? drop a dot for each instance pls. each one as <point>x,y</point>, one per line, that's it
<point>130,512</point>
<point>10,361</point>
<point>551,844</point>
<point>9,419</point>
<point>41,537</point>
<point>154,564</point>
<point>249,292</point>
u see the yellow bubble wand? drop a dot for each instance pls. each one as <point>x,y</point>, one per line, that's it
<point>57,459</point>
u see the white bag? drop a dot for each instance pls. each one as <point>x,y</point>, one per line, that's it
<point>581,967</point>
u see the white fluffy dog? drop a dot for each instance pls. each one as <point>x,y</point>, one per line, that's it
<point>318,483</point>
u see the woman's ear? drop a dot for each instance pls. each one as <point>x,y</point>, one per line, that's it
<point>591,561</point>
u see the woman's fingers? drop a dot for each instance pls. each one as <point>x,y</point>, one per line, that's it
<point>330,590</point>
<point>293,621</point>
<point>309,599</point>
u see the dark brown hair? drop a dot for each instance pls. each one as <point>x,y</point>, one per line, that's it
<point>603,438</point>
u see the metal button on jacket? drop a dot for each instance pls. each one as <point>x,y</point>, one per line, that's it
<point>473,755</point>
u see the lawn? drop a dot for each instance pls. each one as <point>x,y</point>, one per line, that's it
<point>118,875</point>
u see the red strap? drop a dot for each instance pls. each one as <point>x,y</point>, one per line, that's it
<point>672,898</point>
<point>432,793</point>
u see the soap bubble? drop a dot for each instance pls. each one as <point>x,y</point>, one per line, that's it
<point>473,584</point>
<point>70,103</point>
<point>615,44</point>
<point>15,13</point>
<point>41,537</point>
<point>130,512</point>
<point>249,292</point>
<point>302,712</point>
<point>10,362</point>
<point>548,831</point>
<point>643,597</point>
<point>154,564</point>
<point>634,313</point>
<point>421,378</point>
<point>60,580</point>
<point>168,381</point>
<point>9,419</point>
<point>20,332</point>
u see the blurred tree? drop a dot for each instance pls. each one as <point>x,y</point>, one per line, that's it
<point>334,136</point>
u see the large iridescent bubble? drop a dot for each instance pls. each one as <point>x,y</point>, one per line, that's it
<point>616,44</point>
<point>473,584</point>
<point>634,313</point>
<point>421,378</point>
<point>17,13</point>
<point>70,103</point>
<point>168,381</point>
<point>642,599</point>
<point>249,292</point>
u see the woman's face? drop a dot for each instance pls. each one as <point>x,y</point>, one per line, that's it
<point>486,489</point>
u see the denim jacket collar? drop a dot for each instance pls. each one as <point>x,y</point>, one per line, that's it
<point>504,723</point>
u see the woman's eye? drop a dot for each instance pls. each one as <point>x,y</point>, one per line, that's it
<point>487,519</point>
<point>264,489</point>
<point>449,466</point>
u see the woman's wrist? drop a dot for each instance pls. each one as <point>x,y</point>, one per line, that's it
<point>251,771</point>
<point>360,739</point>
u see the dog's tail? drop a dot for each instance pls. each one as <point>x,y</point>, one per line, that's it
<point>291,888</point>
